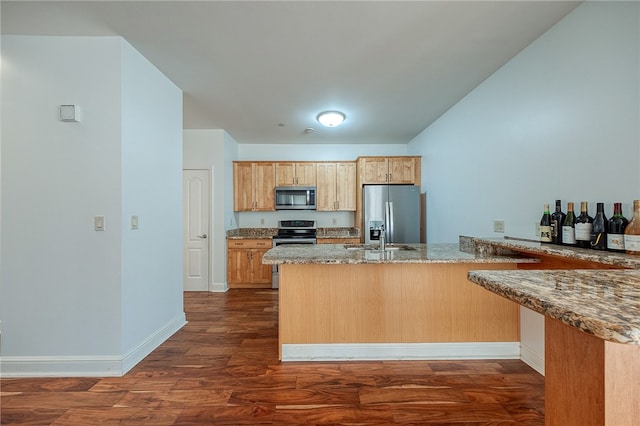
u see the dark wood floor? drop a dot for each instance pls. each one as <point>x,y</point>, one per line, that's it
<point>222,368</point>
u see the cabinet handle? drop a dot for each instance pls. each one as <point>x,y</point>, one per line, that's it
<point>390,178</point>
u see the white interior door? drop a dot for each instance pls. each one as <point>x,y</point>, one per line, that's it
<point>196,230</point>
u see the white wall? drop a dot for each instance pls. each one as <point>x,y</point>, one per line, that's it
<point>152,190</point>
<point>559,121</point>
<point>69,292</point>
<point>316,152</point>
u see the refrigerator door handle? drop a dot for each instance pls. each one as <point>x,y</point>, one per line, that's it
<point>386,220</point>
<point>391,238</point>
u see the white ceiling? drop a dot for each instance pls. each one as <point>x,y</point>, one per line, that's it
<point>263,70</point>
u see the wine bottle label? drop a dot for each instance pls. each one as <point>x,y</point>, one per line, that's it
<point>632,242</point>
<point>568,235</point>
<point>615,241</point>
<point>583,231</point>
<point>545,234</point>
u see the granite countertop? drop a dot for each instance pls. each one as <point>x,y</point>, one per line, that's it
<point>509,246</point>
<point>603,303</point>
<point>250,233</point>
<point>419,253</point>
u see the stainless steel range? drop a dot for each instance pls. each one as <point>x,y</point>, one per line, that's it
<point>293,232</point>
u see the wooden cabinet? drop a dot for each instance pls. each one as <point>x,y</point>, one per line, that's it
<point>400,170</point>
<point>338,240</point>
<point>336,189</point>
<point>244,263</point>
<point>296,174</point>
<point>253,186</point>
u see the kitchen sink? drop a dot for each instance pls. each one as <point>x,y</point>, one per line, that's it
<point>391,246</point>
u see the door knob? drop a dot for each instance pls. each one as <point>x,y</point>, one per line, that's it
<point>202,236</point>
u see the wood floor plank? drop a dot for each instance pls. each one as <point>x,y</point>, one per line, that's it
<point>222,368</point>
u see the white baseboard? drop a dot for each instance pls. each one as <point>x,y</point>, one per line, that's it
<point>400,351</point>
<point>218,287</point>
<point>87,366</point>
<point>532,358</point>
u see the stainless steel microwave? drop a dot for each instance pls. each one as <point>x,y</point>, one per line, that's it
<point>295,197</point>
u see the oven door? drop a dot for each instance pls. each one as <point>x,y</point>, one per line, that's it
<point>275,282</point>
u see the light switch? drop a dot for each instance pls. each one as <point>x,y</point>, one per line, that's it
<point>98,222</point>
<point>134,222</point>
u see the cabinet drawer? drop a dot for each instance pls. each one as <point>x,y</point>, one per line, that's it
<point>338,240</point>
<point>253,243</point>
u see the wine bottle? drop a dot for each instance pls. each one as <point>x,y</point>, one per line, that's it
<point>545,225</point>
<point>632,231</point>
<point>583,226</point>
<point>617,225</point>
<point>599,229</point>
<point>557,220</point>
<point>569,227</point>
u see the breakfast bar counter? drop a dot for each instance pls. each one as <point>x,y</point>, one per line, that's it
<point>592,327</point>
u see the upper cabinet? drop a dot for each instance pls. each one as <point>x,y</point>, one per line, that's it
<point>253,186</point>
<point>296,174</point>
<point>336,186</point>
<point>403,170</point>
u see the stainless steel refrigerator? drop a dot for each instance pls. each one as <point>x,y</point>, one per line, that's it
<point>394,210</point>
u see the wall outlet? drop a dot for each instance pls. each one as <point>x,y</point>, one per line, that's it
<point>334,221</point>
<point>262,221</point>
<point>498,225</point>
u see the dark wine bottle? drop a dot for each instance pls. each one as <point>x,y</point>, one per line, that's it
<point>545,225</point>
<point>615,232</point>
<point>599,229</point>
<point>584,222</point>
<point>557,220</point>
<point>569,227</point>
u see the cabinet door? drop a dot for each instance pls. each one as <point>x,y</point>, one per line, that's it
<point>260,274</point>
<point>238,266</point>
<point>402,170</point>
<point>326,186</point>
<point>346,186</point>
<point>306,174</point>
<point>375,170</point>
<point>242,186</point>
<point>264,175</point>
<point>285,174</point>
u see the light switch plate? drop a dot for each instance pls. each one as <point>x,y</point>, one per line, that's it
<point>98,223</point>
<point>134,222</point>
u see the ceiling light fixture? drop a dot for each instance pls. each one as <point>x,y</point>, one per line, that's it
<point>331,118</point>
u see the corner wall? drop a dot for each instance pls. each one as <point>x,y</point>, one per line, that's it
<point>76,301</point>
<point>561,120</point>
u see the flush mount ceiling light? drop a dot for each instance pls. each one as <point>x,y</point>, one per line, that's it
<point>331,118</point>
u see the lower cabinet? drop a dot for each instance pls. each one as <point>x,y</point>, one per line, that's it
<point>244,263</point>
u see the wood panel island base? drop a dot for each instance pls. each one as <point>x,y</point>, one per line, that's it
<point>344,305</point>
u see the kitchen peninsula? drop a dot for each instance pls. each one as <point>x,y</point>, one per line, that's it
<point>342,302</point>
<point>592,327</point>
